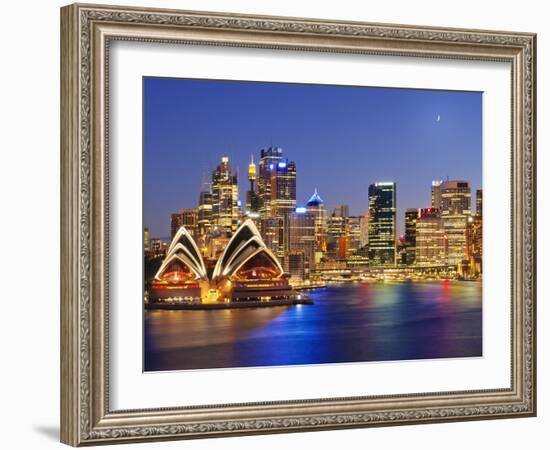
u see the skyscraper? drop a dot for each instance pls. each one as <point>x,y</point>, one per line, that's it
<point>382,223</point>
<point>337,238</point>
<point>364,224</point>
<point>474,243</point>
<point>225,208</point>
<point>479,202</point>
<point>316,207</point>
<point>341,210</point>
<point>204,221</point>
<point>455,210</point>
<point>188,218</point>
<point>436,194</point>
<point>269,158</point>
<point>253,201</point>
<point>283,189</point>
<point>430,238</point>
<point>302,238</point>
<point>354,233</point>
<point>272,231</point>
<point>474,237</point>
<point>411,216</point>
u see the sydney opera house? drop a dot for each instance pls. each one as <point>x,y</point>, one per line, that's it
<point>247,270</point>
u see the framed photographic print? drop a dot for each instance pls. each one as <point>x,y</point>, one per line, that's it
<point>276,224</point>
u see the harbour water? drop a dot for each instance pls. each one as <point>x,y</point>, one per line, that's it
<point>349,322</point>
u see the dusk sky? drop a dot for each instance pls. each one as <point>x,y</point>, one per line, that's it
<point>342,139</point>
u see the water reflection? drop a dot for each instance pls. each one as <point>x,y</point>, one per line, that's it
<point>347,323</point>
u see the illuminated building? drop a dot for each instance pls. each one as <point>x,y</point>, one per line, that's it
<point>277,190</point>
<point>175,224</point>
<point>354,233</point>
<point>341,211</point>
<point>337,237</point>
<point>411,215</point>
<point>297,266</point>
<point>215,245</point>
<point>188,218</point>
<point>436,193</point>
<point>474,238</point>
<point>204,215</point>
<point>431,242</point>
<point>225,207</point>
<point>302,239</point>
<point>146,240</point>
<point>272,230</point>
<point>474,244</point>
<point>269,159</point>
<point>479,202</point>
<point>455,210</point>
<point>382,223</point>
<point>364,230</point>
<point>316,207</point>
<point>400,250</point>
<point>283,189</point>
<point>276,183</point>
<point>253,201</point>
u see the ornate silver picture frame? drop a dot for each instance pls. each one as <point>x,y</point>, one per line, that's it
<point>87,32</point>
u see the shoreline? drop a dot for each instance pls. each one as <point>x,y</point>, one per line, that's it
<point>229,305</point>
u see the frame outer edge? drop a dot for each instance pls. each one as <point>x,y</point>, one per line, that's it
<point>533,231</point>
<point>69,414</point>
<point>79,411</point>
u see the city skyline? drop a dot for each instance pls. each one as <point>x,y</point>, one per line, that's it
<point>179,117</point>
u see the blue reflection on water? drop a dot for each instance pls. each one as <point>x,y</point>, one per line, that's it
<point>348,323</point>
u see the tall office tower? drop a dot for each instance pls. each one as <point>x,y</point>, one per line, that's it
<point>302,238</point>
<point>341,211</point>
<point>146,240</point>
<point>411,215</point>
<point>297,266</point>
<point>354,232</point>
<point>225,208</point>
<point>455,210</point>
<point>337,238</point>
<point>316,207</point>
<point>474,237</point>
<point>479,202</point>
<point>474,243</point>
<point>436,193</point>
<point>188,218</point>
<point>204,216</point>
<point>253,201</point>
<point>382,223</point>
<point>176,221</point>
<point>283,189</point>
<point>431,242</point>
<point>400,250</point>
<point>272,231</point>
<point>269,159</point>
<point>364,224</point>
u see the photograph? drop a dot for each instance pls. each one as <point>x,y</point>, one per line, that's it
<point>294,224</point>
